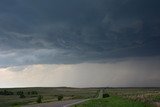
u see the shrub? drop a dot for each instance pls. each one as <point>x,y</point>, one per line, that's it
<point>60,97</point>
<point>21,96</point>
<point>20,92</point>
<point>34,92</point>
<point>5,92</point>
<point>28,93</point>
<point>105,95</point>
<point>39,99</point>
<point>15,104</point>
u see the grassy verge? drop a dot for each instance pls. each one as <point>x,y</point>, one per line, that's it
<point>113,101</point>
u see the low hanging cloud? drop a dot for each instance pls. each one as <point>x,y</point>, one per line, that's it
<point>131,72</point>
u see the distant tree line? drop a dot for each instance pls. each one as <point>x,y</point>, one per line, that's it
<point>5,92</point>
<point>23,94</point>
<point>32,93</point>
<point>19,93</point>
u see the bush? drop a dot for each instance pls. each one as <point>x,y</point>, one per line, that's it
<point>20,93</point>
<point>28,93</point>
<point>39,99</point>
<point>60,97</point>
<point>34,92</point>
<point>105,95</point>
<point>21,96</point>
<point>15,104</point>
<point>5,92</point>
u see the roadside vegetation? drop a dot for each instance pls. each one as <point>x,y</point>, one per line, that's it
<point>113,101</point>
<point>145,95</point>
<point>126,97</point>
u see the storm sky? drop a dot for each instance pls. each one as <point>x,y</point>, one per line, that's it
<point>79,43</point>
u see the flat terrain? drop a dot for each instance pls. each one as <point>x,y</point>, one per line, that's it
<point>127,97</point>
<point>49,95</point>
<point>112,101</point>
<point>150,95</point>
<point>118,97</point>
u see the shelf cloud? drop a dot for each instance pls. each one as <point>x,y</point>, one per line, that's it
<point>73,32</point>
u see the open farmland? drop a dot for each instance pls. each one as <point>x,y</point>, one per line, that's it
<point>49,95</point>
<point>118,97</point>
<point>113,101</point>
<point>126,97</point>
<point>148,95</point>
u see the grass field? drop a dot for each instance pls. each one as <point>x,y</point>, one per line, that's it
<point>150,95</point>
<point>112,101</point>
<point>49,95</point>
<point>119,97</point>
<point>127,97</point>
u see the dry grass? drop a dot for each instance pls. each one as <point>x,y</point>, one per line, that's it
<point>146,95</point>
<point>49,95</point>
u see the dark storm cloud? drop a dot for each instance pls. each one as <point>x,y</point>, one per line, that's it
<point>74,31</point>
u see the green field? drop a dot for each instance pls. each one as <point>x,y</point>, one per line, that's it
<point>112,101</point>
<point>126,97</point>
<point>150,95</point>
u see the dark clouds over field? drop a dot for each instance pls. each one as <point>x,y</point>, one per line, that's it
<point>79,43</point>
<point>75,31</point>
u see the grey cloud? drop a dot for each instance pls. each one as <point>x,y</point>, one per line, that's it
<point>78,30</point>
<point>140,72</point>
